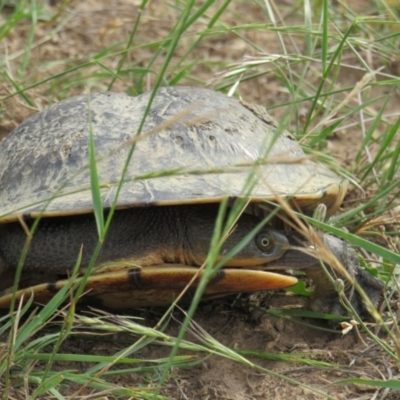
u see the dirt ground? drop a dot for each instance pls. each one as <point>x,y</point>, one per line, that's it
<point>89,27</point>
<point>239,325</point>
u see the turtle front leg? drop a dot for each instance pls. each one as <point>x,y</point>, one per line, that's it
<point>331,250</point>
<point>325,297</point>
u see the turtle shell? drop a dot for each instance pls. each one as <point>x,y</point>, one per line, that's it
<point>194,146</point>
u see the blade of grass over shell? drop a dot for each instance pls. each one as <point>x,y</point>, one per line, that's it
<point>94,181</point>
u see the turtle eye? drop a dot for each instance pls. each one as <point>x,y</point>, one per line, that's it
<point>265,242</point>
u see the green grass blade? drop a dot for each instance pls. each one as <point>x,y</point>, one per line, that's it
<point>94,181</point>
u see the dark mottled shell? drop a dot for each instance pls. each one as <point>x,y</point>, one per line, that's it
<point>196,146</point>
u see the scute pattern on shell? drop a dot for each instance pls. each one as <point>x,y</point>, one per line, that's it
<point>44,162</point>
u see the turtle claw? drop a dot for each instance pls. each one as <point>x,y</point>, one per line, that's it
<point>342,262</point>
<point>330,302</point>
<point>326,295</point>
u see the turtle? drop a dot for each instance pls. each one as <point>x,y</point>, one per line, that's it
<point>170,163</point>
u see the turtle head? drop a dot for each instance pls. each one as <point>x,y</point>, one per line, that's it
<point>247,245</point>
<point>249,250</point>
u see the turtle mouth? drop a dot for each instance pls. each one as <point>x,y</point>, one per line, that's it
<point>299,254</point>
